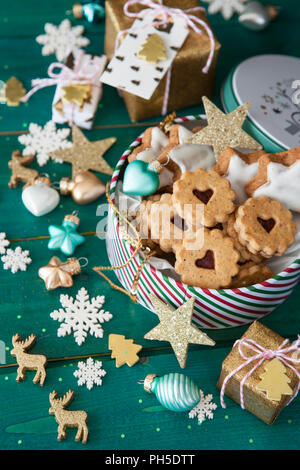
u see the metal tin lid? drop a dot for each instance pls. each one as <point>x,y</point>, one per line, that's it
<point>266,80</point>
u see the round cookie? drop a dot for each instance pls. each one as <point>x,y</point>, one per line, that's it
<point>166,225</point>
<point>203,198</point>
<point>208,261</point>
<point>250,274</point>
<point>245,254</point>
<point>265,227</point>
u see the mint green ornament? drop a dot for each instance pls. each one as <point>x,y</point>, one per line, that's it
<point>65,237</point>
<point>176,392</point>
<point>141,178</point>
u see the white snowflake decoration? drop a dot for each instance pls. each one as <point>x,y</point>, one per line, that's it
<point>62,39</point>
<point>204,409</point>
<point>16,260</point>
<point>42,140</point>
<point>3,243</point>
<point>226,7</point>
<point>81,316</point>
<point>89,373</point>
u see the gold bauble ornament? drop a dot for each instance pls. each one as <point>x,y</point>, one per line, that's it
<point>84,188</point>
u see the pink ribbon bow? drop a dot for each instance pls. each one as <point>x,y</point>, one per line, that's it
<point>156,10</point>
<point>261,355</point>
<point>64,77</point>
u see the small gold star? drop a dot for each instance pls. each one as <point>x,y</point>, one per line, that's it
<point>224,130</point>
<point>58,273</point>
<point>85,155</point>
<point>176,327</point>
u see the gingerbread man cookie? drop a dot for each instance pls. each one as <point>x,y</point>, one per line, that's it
<point>250,274</point>
<point>239,169</point>
<point>278,178</point>
<point>203,198</point>
<point>265,227</point>
<point>166,225</point>
<point>209,260</point>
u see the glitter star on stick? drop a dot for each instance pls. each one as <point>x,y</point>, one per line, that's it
<point>176,327</point>
<point>85,155</point>
<point>224,130</point>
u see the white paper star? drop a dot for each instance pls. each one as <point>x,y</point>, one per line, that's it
<point>226,7</point>
<point>62,39</point>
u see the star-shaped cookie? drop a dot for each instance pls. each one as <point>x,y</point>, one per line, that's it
<point>224,130</point>
<point>85,155</point>
<point>176,327</point>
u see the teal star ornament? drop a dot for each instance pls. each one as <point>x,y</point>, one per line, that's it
<point>65,237</point>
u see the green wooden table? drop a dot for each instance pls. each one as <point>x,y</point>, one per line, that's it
<point>121,414</point>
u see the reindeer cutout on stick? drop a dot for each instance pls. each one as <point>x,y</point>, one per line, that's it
<point>28,361</point>
<point>68,419</point>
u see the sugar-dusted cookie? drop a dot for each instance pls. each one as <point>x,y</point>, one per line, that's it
<point>265,227</point>
<point>153,141</point>
<point>203,197</point>
<point>167,227</point>
<point>238,168</point>
<point>278,177</point>
<point>230,231</point>
<point>251,273</point>
<point>184,157</point>
<point>209,260</point>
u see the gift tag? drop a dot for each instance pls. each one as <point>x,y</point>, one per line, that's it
<point>137,75</point>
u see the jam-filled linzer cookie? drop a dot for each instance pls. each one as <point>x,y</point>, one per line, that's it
<point>203,197</point>
<point>245,254</point>
<point>208,261</point>
<point>166,225</point>
<point>265,227</point>
<point>250,274</point>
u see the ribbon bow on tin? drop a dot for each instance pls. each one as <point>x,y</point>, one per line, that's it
<point>262,354</point>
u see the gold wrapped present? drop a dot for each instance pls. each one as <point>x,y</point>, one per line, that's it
<point>261,372</point>
<point>188,82</point>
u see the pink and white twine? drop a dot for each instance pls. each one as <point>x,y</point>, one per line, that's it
<point>162,14</point>
<point>261,355</point>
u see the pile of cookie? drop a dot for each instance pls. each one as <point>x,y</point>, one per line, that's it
<point>220,219</point>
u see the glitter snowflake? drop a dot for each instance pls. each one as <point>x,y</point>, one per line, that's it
<point>226,7</point>
<point>16,260</point>
<point>3,243</point>
<point>42,140</point>
<point>89,373</point>
<point>62,39</point>
<point>81,316</point>
<point>204,409</point>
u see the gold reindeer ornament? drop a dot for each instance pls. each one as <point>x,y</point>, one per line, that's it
<point>28,361</point>
<point>68,419</point>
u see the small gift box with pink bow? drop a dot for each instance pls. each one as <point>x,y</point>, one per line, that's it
<point>78,88</point>
<point>262,372</point>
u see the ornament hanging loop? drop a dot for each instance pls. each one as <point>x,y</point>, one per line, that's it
<point>85,261</point>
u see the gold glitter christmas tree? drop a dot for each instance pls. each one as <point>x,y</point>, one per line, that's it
<point>176,327</point>
<point>274,381</point>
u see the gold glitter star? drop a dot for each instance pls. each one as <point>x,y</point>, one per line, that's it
<point>176,327</point>
<point>85,155</point>
<point>224,130</point>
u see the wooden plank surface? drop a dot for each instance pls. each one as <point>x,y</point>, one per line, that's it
<point>121,414</point>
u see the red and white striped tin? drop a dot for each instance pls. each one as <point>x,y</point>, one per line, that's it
<point>214,308</point>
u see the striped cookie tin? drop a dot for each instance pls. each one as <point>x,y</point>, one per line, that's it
<point>214,308</point>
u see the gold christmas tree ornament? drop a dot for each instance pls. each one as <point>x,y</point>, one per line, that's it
<point>85,155</point>
<point>153,50</point>
<point>224,130</point>
<point>59,273</point>
<point>274,381</point>
<point>176,327</point>
<point>14,91</point>
<point>123,350</point>
<point>76,93</point>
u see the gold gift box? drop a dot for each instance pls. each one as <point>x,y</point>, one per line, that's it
<point>188,82</point>
<point>255,401</point>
